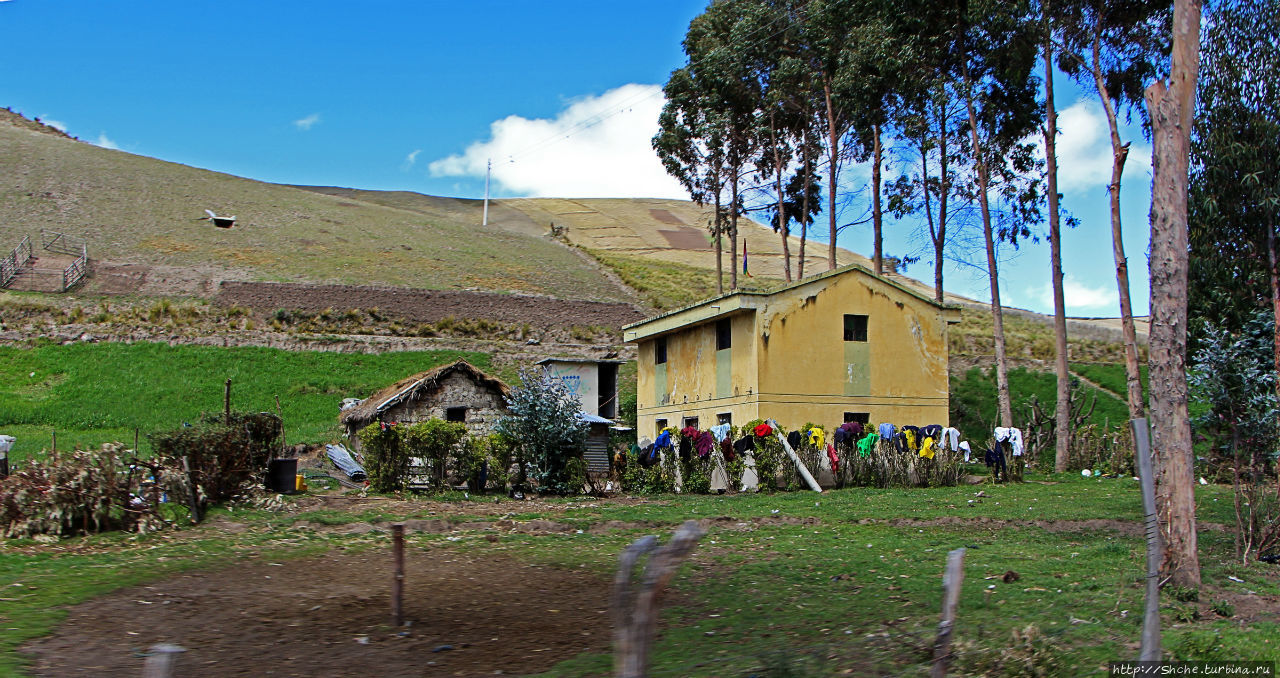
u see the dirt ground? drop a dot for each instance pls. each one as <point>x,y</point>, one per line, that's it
<point>428,305</point>
<point>329,616</point>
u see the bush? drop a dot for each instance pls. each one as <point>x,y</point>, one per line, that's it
<point>483,461</point>
<point>86,491</point>
<point>224,453</point>
<point>386,461</point>
<point>433,441</point>
<point>546,430</point>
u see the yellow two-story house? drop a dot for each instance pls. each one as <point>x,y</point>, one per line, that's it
<point>845,345</point>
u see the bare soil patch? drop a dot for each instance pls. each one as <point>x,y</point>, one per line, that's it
<point>329,616</point>
<point>427,305</point>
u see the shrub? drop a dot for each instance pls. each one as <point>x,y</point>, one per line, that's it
<point>386,460</point>
<point>483,461</point>
<point>85,491</point>
<point>546,429</point>
<point>432,441</point>
<point>224,453</point>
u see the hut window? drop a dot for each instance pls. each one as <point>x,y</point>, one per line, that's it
<point>691,421</point>
<point>660,351</point>
<point>455,414</point>
<point>855,327</point>
<point>724,418</point>
<point>660,424</point>
<point>860,417</point>
<point>724,334</point>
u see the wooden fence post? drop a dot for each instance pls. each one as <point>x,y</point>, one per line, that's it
<point>952,577</point>
<point>635,616</point>
<point>226,404</point>
<point>397,580</point>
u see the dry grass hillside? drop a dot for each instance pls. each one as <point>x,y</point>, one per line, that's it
<point>143,212</point>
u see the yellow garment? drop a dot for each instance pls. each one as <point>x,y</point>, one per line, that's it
<point>911,440</point>
<point>926,448</point>
<point>816,437</point>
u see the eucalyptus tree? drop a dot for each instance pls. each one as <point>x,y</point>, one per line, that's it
<point>994,48</point>
<point>932,128</point>
<point>690,145</point>
<point>1234,203</point>
<point>1116,47</point>
<point>1170,104</point>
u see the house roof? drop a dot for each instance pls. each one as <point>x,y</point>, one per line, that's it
<point>743,300</point>
<point>413,387</point>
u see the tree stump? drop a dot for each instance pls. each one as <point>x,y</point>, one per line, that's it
<point>634,605</point>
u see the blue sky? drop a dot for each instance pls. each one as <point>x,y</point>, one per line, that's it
<point>417,95</point>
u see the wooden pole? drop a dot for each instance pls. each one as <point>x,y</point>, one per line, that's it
<point>226,403</point>
<point>952,577</point>
<point>281,418</point>
<point>1150,648</point>
<point>195,494</point>
<point>635,617</point>
<point>397,580</point>
<point>135,440</point>
<point>804,471</point>
<point>54,445</point>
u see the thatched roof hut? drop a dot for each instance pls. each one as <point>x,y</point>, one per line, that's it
<point>458,391</point>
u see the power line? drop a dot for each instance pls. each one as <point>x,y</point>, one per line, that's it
<point>630,103</point>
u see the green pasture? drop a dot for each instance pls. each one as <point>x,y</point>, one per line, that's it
<point>89,394</point>
<point>795,584</point>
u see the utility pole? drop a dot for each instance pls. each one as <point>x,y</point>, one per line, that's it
<point>487,169</point>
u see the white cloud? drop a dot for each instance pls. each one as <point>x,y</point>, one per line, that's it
<point>598,146</point>
<point>1084,148</point>
<point>1102,299</point>
<point>104,142</point>
<point>308,122</point>
<point>410,159</point>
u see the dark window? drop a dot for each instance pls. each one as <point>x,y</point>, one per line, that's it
<point>855,327</point>
<point>724,334</point>
<point>724,418</point>
<point>860,417</point>
<point>660,351</point>
<point>608,390</point>
<point>690,421</point>
<point>660,424</point>
<point>455,414</point>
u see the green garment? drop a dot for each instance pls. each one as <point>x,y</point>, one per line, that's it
<point>865,445</point>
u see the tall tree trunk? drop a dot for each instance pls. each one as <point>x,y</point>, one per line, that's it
<point>1170,106</point>
<point>944,193</point>
<point>1119,153</point>
<point>804,204</point>
<point>1062,410</point>
<point>937,229</point>
<point>877,216</point>
<point>718,229</point>
<point>783,227</point>
<point>1004,406</point>
<point>733,227</point>
<point>1274,274</point>
<point>833,152</point>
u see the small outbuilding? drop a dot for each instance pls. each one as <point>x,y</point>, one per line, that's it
<point>458,392</point>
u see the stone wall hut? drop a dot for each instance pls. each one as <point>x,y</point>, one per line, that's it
<point>458,392</point>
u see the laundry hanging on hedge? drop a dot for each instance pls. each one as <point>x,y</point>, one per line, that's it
<point>867,444</point>
<point>704,444</point>
<point>887,430</point>
<point>721,431</point>
<point>835,460</point>
<point>816,437</point>
<point>950,436</point>
<point>793,439</point>
<point>964,445</point>
<point>927,448</point>
<point>1013,436</point>
<point>763,431</point>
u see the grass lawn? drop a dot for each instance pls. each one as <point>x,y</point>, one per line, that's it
<point>94,393</point>
<point>784,584</point>
<point>973,400</point>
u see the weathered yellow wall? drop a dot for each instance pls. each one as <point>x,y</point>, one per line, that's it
<point>790,361</point>
<point>804,376</point>
<point>694,386</point>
